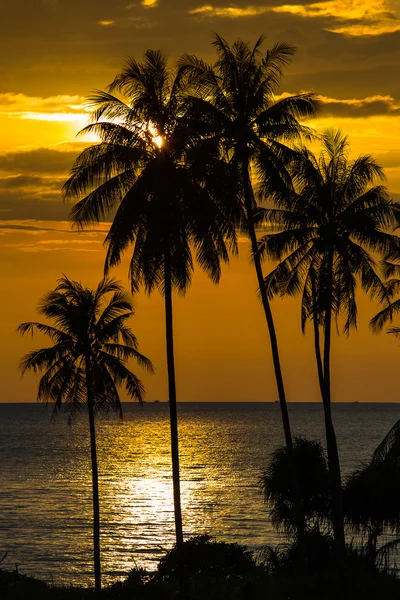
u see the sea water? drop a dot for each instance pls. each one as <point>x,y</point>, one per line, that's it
<point>45,479</point>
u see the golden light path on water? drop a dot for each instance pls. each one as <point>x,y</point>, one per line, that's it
<point>45,480</point>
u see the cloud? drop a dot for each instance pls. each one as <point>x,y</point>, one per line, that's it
<point>35,249</point>
<point>129,22</point>
<point>372,17</point>
<point>233,12</point>
<point>351,17</point>
<point>357,107</point>
<point>365,107</point>
<point>54,108</point>
<point>10,102</point>
<point>35,226</point>
<point>72,245</point>
<point>30,181</point>
<point>40,161</point>
<point>35,236</point>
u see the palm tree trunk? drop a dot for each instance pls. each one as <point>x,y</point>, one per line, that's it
<point>317,344</point>
<point>249,202</point>
<point>331,443</point>
<point>95,485</point>
<point>172,402</point>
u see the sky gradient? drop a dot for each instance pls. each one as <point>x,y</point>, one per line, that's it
<point>55,52</point>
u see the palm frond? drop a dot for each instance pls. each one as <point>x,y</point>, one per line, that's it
<point>391,439</point>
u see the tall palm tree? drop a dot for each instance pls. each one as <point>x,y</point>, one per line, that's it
<point>87,362</point>
<point>390,445</point>
<point>234,101</point>
<point>147,170</point>
<point>325,231</point>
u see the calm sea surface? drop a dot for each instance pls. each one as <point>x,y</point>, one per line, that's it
<point>45,479</point>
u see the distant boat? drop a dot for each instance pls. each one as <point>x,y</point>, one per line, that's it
<point>355,402</point>
<point>157,401</point>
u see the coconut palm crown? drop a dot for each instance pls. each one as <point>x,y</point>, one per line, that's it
<point>333,216</point>
<point>145,173</point>
<point>91,344</point>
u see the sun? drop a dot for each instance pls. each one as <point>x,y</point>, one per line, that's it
<point>157,139</point>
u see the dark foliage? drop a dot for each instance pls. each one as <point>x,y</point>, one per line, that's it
<point>313,481</point>
<point>202,555</point>
<point>372,496</point>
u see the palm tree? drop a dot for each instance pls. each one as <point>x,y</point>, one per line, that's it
<point>277,485</point>
<point>371,501</point>
<point>390,445</point>
<point>234,100</point>
<point>147,170</point>
<point>86,363</point>
<point>326,229</point>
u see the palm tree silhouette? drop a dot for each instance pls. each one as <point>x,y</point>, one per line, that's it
<point>277,486</point>
<point>326,229</point>
<point>234,101</point>
<point>371,505</point>
<point>147,170</point>
<point>91,344</point>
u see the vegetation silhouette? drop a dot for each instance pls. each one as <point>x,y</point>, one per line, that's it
<point>222,571</point>
<point>91,344</point>
<point>313,477</point>
<point>148,169</point>
<point>326,227</point>
<point>371,503</point>
<point>372,509</point>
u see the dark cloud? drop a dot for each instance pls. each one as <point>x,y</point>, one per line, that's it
<point>58,47</point>
<point>4,225</point>
<point>39,161</point>
<point>29,181</point>
<point>20,205</point>
<point>360,108</point>
<point>31,184</point>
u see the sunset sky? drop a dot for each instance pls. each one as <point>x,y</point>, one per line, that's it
<point>55,52</point>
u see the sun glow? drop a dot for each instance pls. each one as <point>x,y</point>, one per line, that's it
<point>155,137</point>
<point>158,140</point>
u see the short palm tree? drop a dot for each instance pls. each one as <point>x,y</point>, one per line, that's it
<point>313,478</point>
<point>87,361</point>
<point>325,231</point>
<point>371,500</point>
<point>147,170</point>
<point>235,102</point>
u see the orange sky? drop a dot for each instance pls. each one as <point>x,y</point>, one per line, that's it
<point>54,52</point>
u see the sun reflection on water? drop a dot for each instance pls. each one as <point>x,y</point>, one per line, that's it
<point>45,478</point>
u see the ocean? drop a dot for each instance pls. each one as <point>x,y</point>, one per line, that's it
<point>45,479</point>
